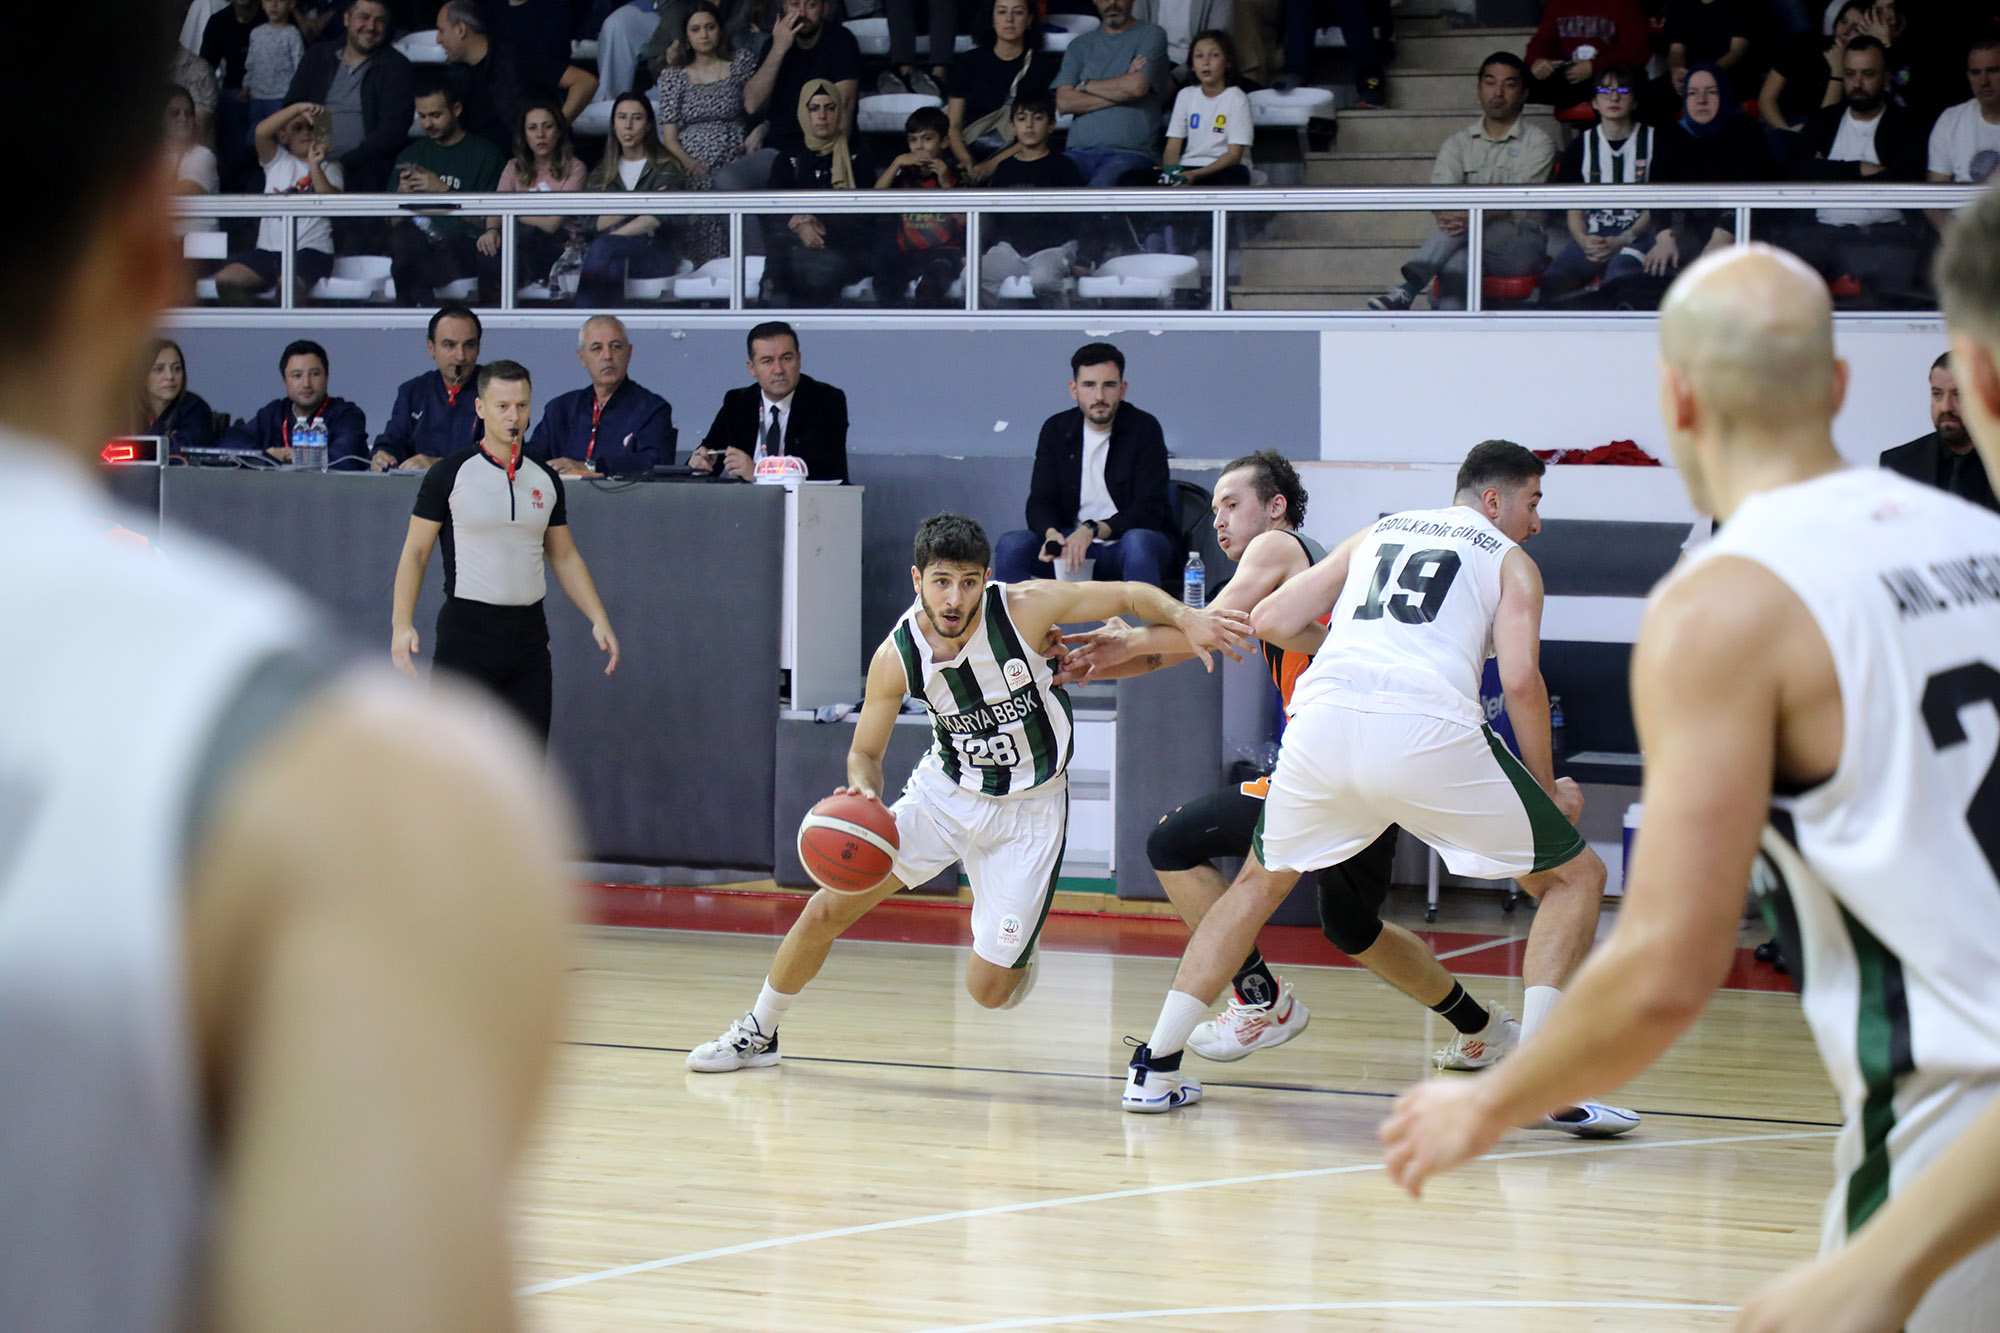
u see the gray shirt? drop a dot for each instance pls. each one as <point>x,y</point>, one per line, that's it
<point>343,100</point>
<point>1132,126</point>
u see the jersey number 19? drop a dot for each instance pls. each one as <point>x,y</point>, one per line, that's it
<point>1425,580</point>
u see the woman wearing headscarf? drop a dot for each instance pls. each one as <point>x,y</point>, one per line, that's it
<point>814,257</point>
<point>1713,143</point>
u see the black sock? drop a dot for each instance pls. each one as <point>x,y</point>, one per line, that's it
<point>1254,982</point>
<point>1462,1011</point>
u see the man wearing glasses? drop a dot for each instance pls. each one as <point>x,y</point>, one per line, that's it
<point>1616,151</point>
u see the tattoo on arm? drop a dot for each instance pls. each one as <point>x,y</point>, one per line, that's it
<point>1153,661</point>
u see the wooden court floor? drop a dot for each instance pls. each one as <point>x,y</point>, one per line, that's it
<point>918,1163</point>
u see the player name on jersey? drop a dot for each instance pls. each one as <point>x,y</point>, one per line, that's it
<point>1944,585</point>
<point>1479,536</point>
<point>989,717</point>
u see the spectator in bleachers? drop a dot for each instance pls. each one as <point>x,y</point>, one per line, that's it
<point>540,33</point>
<point>1866,138</point>
<point>1580,39</point>
<point>225,46</point>
<point>927,249</point>
<point>1498,149</point>
<point>1706,32</point>
<point>1713,143</point>
<point>1210,130</point>
<point>1099,489</point>
<point>1807,77</point>
<point>636,245</point>
<point>484,74</point>
<point>1618,150</point>
<point>544,161</point>
<point>433,416</point>
<point>428,252</point>
<point>1042,247</point>
<point>189,73</point>
<point>1006,64</point>
<point>276,48</point>
<point>702,122</point>
<point>813,257</point>
<point>303,366</point>
<point>904,76</point>
<point>1358,21</point>
<point>805,49</point>
<point>293,152</point>
<point>182,420</point>
<point>1115,81</point>
<point>1944,458</point>
<point>1965,142</point>
<point>786,411</point>
<point>193,161</point>
<point>617,425</point>
<point>367,85</point>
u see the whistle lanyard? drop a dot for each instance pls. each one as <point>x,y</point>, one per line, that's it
<point>596,413</point>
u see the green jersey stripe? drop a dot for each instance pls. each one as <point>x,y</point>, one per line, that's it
<point>1882,1049</point>
<point>1048,890</point>
<point>1006,643</point>
<point>968,694</point>
<point>906,647</point>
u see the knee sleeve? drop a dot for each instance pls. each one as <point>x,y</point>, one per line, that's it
<point>1218,824</point>
<point>1351,894</point>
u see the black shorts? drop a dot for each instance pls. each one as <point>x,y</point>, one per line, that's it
<point>505,649</point>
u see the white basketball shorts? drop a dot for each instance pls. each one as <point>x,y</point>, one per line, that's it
<point>1343,776</point>
<point>1011,847</point>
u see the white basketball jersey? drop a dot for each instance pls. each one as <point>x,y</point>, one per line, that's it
<point>1413,625</point>
<point>125,672</point>
<point>1893,864</point>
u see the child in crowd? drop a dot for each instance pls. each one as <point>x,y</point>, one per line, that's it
<point>926,247</point>
<point>276,48</point>
<point>1209,133</point>
<point>1039,246</point>
<point>292,145</point>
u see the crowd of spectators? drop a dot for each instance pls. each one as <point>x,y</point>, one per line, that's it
<point>313,95</point>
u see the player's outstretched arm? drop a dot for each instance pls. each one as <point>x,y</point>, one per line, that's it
<point>1289,616</point>
<point>879,706</point>
<point>1872,1284</point>
<point>375,1000</point>
<point>566,562</point>
<point>1041,603</point>
<point>1705,692</point>
<point>410,565</point>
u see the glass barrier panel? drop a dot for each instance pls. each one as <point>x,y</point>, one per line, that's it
<point>1326,261</point>
<point>889,261</point>
<point>1110,261</point>
<point>1871,258</point>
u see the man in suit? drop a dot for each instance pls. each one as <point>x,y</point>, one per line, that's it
<point>786,410</point>
<point>1944,458</point>
<point>1099,491</point>
<point>617,426</point>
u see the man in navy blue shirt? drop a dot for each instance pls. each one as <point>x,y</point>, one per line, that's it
<point>617,425</point>
<point>433,417</point>
<point>304,367</point>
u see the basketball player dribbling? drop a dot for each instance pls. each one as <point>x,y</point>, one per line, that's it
<point>267,1047</point>
<point>993,791</point>
<point>1820,681</point>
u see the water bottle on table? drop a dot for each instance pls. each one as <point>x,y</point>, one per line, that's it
<point>1194,581</point>
<point>309,445</point>
<point>1557,749</point>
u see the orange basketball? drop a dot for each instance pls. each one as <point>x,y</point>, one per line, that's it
<point>848,843</point>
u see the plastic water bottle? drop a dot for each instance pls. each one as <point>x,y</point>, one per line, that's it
<point>1194,581</point>
<point>1556,747</point>
<point>309,445</point>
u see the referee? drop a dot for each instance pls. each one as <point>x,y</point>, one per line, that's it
<point>500,514</point>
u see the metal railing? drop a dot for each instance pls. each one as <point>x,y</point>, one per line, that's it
<point>1219,206</point>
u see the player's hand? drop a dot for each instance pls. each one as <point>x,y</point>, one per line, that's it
<point>1569,799</point>
<point>1841,1294</point>
<point>403,650</point>
<point>1213,629</point>
<point>737,463</point>
<point>863,792</point>
<point>601,631</point>
<point>1434,1127</point>
<point>1100,649</point>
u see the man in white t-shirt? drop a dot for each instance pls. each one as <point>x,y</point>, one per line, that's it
<point>1965,142</point>
<point>292,145</point>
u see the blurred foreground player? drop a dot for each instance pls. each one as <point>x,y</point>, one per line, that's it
<point>993,792</point>
<point>1829,664</point>
<point>266,1056</point>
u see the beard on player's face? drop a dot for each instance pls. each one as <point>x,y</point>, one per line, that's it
<point>935,613</point>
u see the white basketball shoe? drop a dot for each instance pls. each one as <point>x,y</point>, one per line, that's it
<point>744,1046</point>
<point>1244,1028</point>
<point>1593,1120</point>
<point>1477,1050</point>
<point>1150,1090</point>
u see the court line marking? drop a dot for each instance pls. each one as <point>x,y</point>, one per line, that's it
<point>1124,1316</point>
<point>1139,1192</point>
<point>1119,1077</point>
<point>1479,948</point>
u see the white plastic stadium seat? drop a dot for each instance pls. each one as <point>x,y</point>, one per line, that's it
<point>1270,109</point>
<point>422,48</point>
<point>710,282</point>
<point>1059,30</point>
<point>1142,278</point>
<point>584,48</point>
<point>871,34</point>
<point>1330,38</point>
<point>861,293</point>
<point>356,278</point>
<point>886,113</point>
<point>205,245</point>
<point>656,289</point>
<point>459,290</point>
<point>1021,288</point>
<point>344,289</point>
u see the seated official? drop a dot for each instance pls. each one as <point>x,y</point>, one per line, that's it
<point>303,365</point>
<point>1099,491</point>
<point>1945,458</point>
<point>181,419</point>
<point>617,425</point>
<point>786,410</point>
<point>434,415</point>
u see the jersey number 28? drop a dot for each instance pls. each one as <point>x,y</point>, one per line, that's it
<point>989,751</point>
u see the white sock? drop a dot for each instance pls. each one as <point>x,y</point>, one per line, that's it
<point>770,1007</point>
<point>1536,1006</point>
<point>1178,1017</point>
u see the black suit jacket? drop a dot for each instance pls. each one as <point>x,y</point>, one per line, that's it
<point>815,428</point>
<point>1135,472</point>
<point>1902,142</point>
<point>1928,459</point>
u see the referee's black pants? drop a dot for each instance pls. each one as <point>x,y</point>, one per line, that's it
<point>504,648</point>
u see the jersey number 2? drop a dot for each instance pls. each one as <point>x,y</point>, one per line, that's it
<point>1426,578</point>
<point>990,751</point>
<point>1944,695</point>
